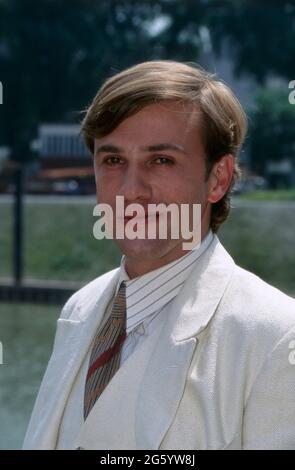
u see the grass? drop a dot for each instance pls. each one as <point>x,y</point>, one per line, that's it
<point>270,195</point>
<point>262,240</point>
<point>59,243</point>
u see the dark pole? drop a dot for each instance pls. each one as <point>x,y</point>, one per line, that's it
<point>18,225</point>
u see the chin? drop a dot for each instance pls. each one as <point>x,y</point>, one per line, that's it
<point>146,249</point>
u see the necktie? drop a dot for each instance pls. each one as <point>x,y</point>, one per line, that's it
<point>105,355</point>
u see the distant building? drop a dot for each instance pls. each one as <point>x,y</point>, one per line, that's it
<point>61,145</point>
<point>65,164</point>
<point>280,174</point>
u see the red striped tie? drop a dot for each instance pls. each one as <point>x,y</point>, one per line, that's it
<point>106,352</point>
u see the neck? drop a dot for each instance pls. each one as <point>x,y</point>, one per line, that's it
<point>137,267</point>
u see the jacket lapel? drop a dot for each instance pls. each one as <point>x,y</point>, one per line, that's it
<point>164,379</point>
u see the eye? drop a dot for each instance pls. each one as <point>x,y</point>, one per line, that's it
<point>112,160</point>
<point>160,160</point>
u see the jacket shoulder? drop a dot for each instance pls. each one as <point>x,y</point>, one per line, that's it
<point>252,322</point>
<point>257,306</point>
<point>89,291</point>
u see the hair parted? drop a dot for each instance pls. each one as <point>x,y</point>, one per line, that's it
<point>223,120</point>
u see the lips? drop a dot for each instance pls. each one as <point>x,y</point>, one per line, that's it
<point>140,219</point>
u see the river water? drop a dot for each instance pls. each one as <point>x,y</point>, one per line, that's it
<point>26,339</point>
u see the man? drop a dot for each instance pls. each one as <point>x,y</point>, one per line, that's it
<point>176,349</point>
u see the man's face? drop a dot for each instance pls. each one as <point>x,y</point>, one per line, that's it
<point>150,176</point>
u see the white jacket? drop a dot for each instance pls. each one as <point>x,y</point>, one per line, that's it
<point>218,375</point>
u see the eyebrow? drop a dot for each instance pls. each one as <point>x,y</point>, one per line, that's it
<point>149,148</point>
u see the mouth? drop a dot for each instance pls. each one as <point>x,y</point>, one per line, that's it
<point>141,219</point>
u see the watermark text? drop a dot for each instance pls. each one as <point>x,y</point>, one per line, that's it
<point>156,221</point>
<point>292,353</point>
<point>292,93</point>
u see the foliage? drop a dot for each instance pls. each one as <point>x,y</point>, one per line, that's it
<point>54,54</point>
<point>261,35</point>
<point>272,133</point>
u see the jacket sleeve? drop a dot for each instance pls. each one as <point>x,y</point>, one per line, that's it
<point>269,414</point>
<point>39,435</point>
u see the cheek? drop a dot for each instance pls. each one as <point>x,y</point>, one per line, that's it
<point>189,188</point>
<point>105,192</point>
<point>106,184</point>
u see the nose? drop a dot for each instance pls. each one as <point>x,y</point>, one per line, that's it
<point>135,185</point>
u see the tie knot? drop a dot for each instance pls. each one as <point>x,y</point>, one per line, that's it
<point>119,306</point>
<point>121,293</point>
<point>122,285</point>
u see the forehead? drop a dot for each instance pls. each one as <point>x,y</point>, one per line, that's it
<point>163,121</point>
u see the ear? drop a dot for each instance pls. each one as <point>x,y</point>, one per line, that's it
<point>220,178</point>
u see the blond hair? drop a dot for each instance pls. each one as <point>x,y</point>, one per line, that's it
<point>223,121</point>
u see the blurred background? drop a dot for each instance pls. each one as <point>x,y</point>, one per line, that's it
<point>54,54</point>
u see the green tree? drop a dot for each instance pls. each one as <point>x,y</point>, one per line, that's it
<point>272,129</point>
<point>55,53</point>
<point>260,34</point>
